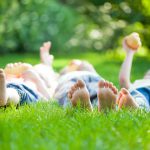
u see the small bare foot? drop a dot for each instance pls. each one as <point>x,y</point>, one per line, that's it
<point>107,95</point>
<point>125,99</point>
<point>46,58</point>
<point>79,94</point>
<point>3,99</point>
<point>17,68</point>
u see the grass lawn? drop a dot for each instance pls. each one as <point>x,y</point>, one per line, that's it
<point>48,126</point>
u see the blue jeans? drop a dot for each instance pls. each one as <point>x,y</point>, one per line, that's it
<point>142,96</point>
<point>26,94</point>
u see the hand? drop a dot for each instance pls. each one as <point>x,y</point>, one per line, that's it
<point>128,49</point>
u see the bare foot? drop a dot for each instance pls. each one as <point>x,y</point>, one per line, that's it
<point>3,99</point>
<point>107,95</point>
<point>125,99</point>
<point>16,68</point>
<point>46,58</point>
<point>79,94</point>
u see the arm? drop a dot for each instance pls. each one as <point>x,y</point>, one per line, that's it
<point>125,71</point>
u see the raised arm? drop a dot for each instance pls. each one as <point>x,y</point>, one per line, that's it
<point>131,44</point>
<point>125,70</point>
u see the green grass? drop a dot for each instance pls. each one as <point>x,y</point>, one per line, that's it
<point>49,126</point>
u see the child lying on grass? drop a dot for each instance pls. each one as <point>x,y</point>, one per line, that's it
<point>136,95</point>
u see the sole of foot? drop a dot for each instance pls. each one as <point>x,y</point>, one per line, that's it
<point>125,99</point>
<point>45,57</point>
<point>78,94</point>
<point>107,95</point>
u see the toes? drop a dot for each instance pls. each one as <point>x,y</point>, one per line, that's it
<point>44,44</point>
<point>81,83</point>
<point>122,97</point>
<point>1,71</point>
<point>110,85</point>
<point>10,65</point>
<point>113,88</point>
<point>2,74</point>
<point>124,91</point>
<point>121,102</point>
<point>69,95</point>
<point>76,85</point>
<point>73,88</point>
<point>48,44</point>
<point>101,84</point>
<point>106,84</point>
<point>119,97</point>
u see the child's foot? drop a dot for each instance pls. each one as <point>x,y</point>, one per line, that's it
<point>46,58</point>
<point>107,95</point>
<point>79,94</point>
<point>17,68</point>
<point>3,99</point>
<point>125,99</point>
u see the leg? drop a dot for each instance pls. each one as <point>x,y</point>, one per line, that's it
<point>79,94</point>
<point>7,95</point>
<point>107,95</point>
<point>45,57</point>
<point>125,99</point>
<point>31,75</point>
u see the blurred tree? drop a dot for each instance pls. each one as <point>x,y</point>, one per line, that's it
<point>25,24</point>
<point>71,24</point>
<point>114,18</point>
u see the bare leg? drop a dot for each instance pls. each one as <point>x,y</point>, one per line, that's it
<point>45,57</point>
<point>107,95</point>
<point>7,95</point>
<point>45,70</point>
<point>125,99</point>
<point>79,94</point>
<point>31,75</point>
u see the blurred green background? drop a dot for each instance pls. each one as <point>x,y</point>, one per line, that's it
<point>71,25</point>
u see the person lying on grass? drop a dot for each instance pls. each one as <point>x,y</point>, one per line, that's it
<point>92,89</point>
<point>23,83</point>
